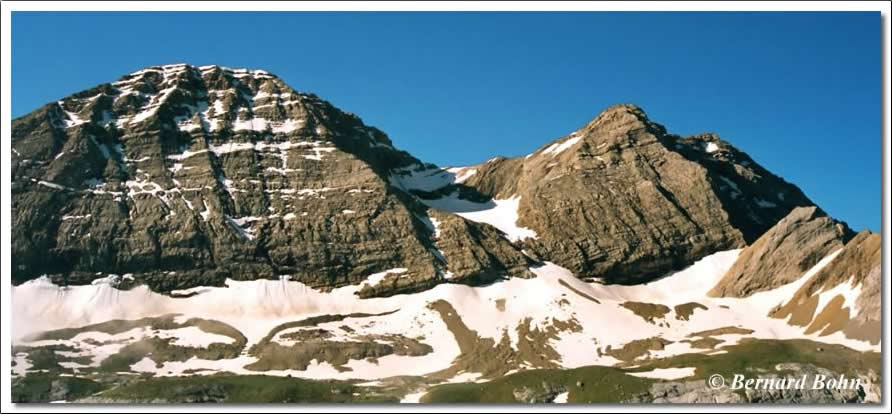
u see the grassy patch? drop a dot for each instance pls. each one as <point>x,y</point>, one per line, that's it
<point>158,349</point>
<point>596,384</point>
<point>46,387</point>
<point>752,354</point>
<point>46,358</point>
<point>244,389</point>
<point>606,384</point>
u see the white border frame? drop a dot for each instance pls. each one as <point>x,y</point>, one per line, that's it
<point>5,101</point>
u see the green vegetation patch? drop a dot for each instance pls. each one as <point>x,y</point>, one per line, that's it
<point>243,389</point>
<point>48,387</point>
<point>584,385</point>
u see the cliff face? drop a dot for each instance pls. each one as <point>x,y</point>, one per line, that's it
<point>845,296</point>
<point>186,176</point>
<point>623,200</point>
<point>783,253</point>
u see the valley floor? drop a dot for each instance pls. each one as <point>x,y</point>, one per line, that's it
<point>550,338</point>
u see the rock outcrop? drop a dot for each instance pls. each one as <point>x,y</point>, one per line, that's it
<point>783,253</point>
<point>623,200</point>
<point>851,286</point>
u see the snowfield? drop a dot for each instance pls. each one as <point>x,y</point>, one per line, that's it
<point>256,307</point>
<point>666,373</point>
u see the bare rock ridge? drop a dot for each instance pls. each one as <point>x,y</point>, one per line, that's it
<point>185,176</point>
<point>820,304</point>
<point>843,296</point>
<point>783,253</point>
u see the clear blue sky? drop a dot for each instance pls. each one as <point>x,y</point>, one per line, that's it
<point>799,92</point>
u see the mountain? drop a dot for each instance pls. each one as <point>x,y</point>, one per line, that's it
<point>792,246</point>
<point>185,176</point>
<point>215,225</point>
<point>846,296</point>
<point>622,200</point>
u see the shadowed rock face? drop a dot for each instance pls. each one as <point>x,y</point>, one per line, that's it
<point>185,176</point>
<point>783,253</point>
<point>622,199</point>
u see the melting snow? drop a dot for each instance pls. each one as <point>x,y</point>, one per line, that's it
<point>192,336</point>
<point>254,307</point>
<point>237,225</point>
<point>462,173</point>
<point>413,398</point>
<point>557,148</point>
<point>765,204</point>
<point>72,120</point>
<point>847,290</point>
<point>376,278</point>
<point>735,190</point>
<point>65,218</point>
<point>52,185</point>
<point>666,373</point>
<point>502,214</point>
<point>207,211</point>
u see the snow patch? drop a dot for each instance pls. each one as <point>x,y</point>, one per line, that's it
<point>557,148</point>
<point>666,373</point>
<point>375,278</point>
<point>735,190</point>
<point>502,214</point>
<point>764,203</point>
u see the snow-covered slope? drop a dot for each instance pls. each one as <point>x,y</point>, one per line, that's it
<point>552,300</point>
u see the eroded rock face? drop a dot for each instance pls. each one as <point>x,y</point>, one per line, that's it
<point>185,176</point>
<point>858,268</point>
<point>783,253</point>
<point>623,200</point>
<point>535,395</point>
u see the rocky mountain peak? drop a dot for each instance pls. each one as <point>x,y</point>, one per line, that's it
<point>185,176</point>
<point>620,112</point>
<point>620,126</point>
<point>640,188</point>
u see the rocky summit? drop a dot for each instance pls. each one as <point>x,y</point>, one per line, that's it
<point>261,245</point>
<point>185,176</point>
